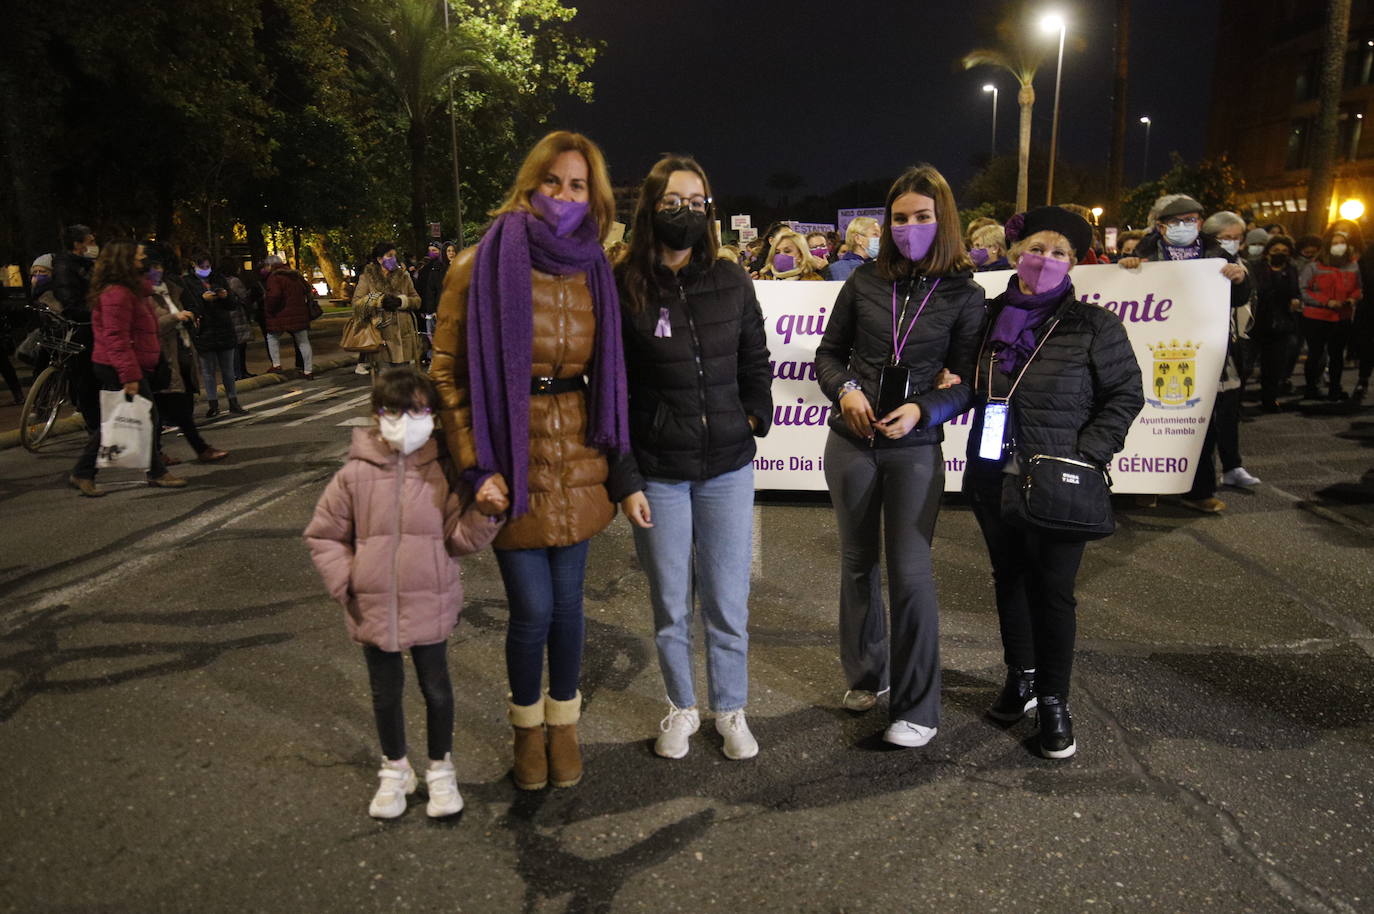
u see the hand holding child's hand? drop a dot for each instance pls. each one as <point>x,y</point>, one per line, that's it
<point>492,498</point>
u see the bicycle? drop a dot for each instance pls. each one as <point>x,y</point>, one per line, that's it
<point>52,388</point>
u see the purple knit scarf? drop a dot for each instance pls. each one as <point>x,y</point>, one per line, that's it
<point>501,343</point>
<point>1014,329</point>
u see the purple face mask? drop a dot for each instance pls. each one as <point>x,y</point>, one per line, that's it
<point>432,254</point>
<point>820,253</point>
<point>915,238</point>
<point>203,272</point>
<point>784,263</point>
<point>563,216</point>
<point>979,256</point>
<point>155,275</point>
<point>389,263</point>
<point>1041,274</point>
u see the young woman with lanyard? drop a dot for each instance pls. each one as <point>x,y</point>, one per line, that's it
<point>896,322</point>
<point>1056,377</point>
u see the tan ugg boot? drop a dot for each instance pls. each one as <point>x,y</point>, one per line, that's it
<point>565,758</point>
<point>531,771</point>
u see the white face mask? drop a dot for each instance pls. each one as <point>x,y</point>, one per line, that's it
<point>1230,246</point>
<point>93,251</point>
<point>1338,250</point>
<point>406,434</point>
<point>1256,250</point>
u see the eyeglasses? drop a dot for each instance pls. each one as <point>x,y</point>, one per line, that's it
<point>1184,220</point>
<point>415,412</point>
<point>671,203</point>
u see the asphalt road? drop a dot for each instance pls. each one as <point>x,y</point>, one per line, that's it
<point>185,725</point>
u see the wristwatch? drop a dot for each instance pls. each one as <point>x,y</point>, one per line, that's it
<point>846,387</point>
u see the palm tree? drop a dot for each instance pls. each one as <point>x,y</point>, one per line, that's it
<point>1320,182</point>
<point>403,45</point>
<point>1019,51</point>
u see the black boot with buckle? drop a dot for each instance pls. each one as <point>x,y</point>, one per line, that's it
<point>1056,727</point>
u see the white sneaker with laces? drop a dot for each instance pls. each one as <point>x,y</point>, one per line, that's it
<point>680,724</point>
<point>739,742</point>
<point>861,699</point>
<point>908,735</point>
<point>442,783</point>
<point>362,368</point>
<point>397,782</point>
<point>1240,477</point>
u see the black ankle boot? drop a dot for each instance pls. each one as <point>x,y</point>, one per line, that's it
<point>1056,727</point>
<point>1017,696</point>
<point>235,409</point>
<point>213,410</point>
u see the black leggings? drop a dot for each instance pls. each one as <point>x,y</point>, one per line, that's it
<point>178,407</point>
<point>386,672</point>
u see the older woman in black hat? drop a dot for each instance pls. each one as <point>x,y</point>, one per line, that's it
<point>1056,380</point>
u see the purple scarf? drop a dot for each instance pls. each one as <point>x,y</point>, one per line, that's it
<point>1013,333</point>
<point>501,343</point>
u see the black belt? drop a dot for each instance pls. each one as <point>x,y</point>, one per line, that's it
<point>551,386</point>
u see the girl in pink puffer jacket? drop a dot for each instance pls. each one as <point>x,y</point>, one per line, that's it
<point>386,537</point>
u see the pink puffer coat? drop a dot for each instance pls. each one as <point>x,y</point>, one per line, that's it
<point>386,537</point>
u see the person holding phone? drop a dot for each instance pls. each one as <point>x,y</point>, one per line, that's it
<point>896,322</point>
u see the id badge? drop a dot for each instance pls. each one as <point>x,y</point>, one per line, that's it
<point>994,431</point>
<point>893,388</point>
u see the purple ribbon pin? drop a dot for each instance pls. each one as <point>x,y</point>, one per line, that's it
<point>665,326</point>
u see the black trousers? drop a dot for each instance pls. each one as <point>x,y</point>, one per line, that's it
<point>387,673</point>
<point>1276,353</point>
<point>1033,577</point>
<point>8,373</point>
<point>178,408</point>
<point>1222,437</point>
<point>1325,349</point>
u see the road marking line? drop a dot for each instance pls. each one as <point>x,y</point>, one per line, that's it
<point>278,410</point>
<point>347,404</point>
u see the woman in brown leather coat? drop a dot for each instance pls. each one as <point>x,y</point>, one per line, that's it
<point>531,379</point>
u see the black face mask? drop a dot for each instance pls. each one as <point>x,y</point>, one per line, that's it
<point>1278,260</point>
<point>680,229</point>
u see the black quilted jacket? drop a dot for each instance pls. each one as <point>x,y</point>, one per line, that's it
<point>1078,397</point>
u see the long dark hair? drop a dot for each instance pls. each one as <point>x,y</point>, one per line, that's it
<point>636,270</point>
<point>117,265</point>
<point>947,251</point>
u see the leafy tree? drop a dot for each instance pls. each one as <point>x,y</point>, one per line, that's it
<point>1215,183</point>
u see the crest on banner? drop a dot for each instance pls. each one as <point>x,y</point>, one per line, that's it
<point>1174,380</point>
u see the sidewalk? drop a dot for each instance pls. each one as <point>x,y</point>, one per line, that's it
<point>324,341</point>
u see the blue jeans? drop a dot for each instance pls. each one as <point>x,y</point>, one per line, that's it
<point>544,590</point>
<point>222,359</point>
<point>702,535</point>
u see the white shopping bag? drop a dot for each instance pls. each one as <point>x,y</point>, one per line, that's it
<point>126,431</point>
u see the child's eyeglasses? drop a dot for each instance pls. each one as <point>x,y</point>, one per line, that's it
<point>415,412</point>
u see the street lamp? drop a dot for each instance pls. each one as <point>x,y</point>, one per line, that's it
<point>1352,210</point>
<point>1145,168</point>
<point>993,150</point>
<point>1097,214</point>
<point>1050,23</point>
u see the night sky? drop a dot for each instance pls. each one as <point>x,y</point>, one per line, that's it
<point>839,92</point>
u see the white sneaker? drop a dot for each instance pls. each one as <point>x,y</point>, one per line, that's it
<point>362,369</point>
<point>444,798</point>
<point>909,735</point>
<point>861,699</point>
<point>680,724</point>
<point>739,742</point>
<point>397,782</point>
<point>1240,478</point>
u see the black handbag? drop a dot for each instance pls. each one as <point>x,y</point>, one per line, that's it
<point>1061,496</point>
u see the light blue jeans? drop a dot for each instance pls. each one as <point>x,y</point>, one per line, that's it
<point>702,541</point>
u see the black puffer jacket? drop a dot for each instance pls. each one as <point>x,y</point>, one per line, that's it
<point>214,319</point>
<point>71,281</point>
<point>858,343</point>
<point>1077,399</point>
<point>692,393</point>
<point>1275,291</point>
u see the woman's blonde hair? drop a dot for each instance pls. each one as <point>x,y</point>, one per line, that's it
<point>808,263</point>
<point>989,237</point>
<point>530,177</point>
<point>858,228</point>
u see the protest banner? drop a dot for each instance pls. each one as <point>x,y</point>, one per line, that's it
<point>1176,315</point>
<point>810,228</point>
<point>844,216</point>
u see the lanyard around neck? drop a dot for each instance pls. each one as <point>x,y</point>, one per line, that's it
<point>899,345</point>
<point>992,357</point>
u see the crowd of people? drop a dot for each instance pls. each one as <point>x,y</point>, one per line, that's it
<point>569,379</point>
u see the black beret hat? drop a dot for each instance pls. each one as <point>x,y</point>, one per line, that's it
<point>1056,219</point>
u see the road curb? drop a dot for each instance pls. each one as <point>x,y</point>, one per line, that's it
<point>73,423</point>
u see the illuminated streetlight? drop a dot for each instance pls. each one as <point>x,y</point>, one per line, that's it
<point>1352,210</point>
<point>1145,168</point>
<point>1050,23</point>
<point>993,89</point>
<point>1097,214</point>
